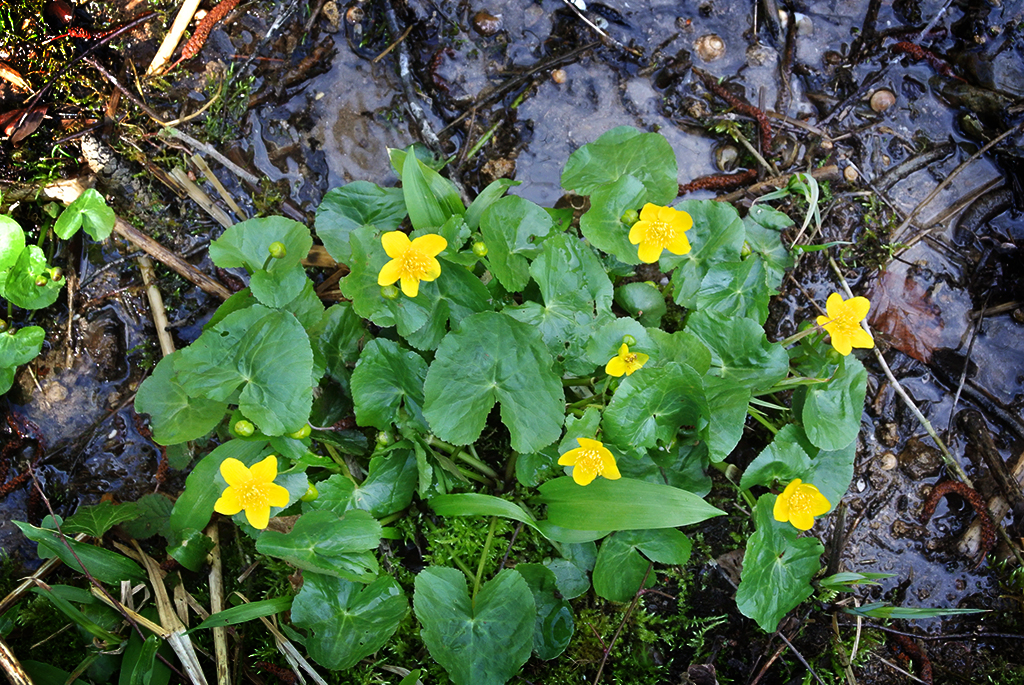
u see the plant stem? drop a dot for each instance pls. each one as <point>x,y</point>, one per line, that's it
<point>432,441</point>
<point>475,462</point>
<point>760,418</point>
<point>340,461</point>
<point>786,342</point>
<point>483,556</point>
<point>571,382</point>
<point>611,643</point>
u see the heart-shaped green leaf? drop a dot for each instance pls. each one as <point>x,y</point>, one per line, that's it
<point>324,542</point>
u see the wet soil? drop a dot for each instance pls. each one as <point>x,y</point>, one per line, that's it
<point>512,89</point>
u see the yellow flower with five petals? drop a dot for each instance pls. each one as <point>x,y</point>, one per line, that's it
<point>660,228</point>
<point>252,490</point>
<point>799,503</point>
<point>625,362</point>
<point>412,261</point>
<point>843,323</point>
<point>589,460</point>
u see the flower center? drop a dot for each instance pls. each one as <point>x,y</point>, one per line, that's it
<point>660,233</point>
<point>250,494</point>
<point>590,460</point>
<point>800,501</point>
<point>630,358</point>
<point>414,263</point>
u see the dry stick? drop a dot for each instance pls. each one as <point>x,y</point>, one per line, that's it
<point>388,49</point>
<point>206,171</point>
<point>199,196</point>
<point>212,152</point>
<point>625,617</point>
<point>405,76</point>
<point>220,640</point>
<point>897,668</point>
<point>173,37</point>
<point>12,667</point>
<point>156,306</point>
<point>945,182</point>
<point>947,457</point>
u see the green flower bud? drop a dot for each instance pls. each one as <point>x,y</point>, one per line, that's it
<point>629,340</point>
<point>383,439</point>
<point>277,250</point>
<point>301,433</point>
<point>56,273</point>
<point>311,494</point>
<point>3,325</point>
<point>389,292</point>
<point>244,428</point>
<point>480,248</point>
<point>630,217</point>
<point>42,280</point>
<point>746,251</point>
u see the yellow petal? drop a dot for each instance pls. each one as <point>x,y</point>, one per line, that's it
<point>822,320</point>
<point>834,305</point>
<point>615,367</point>
<point>234,472</point>
<point>228,503</point>
<point>641,359</point>
<point>430,244</point>
<point>569,458</point>
<point>266,470</point>
<point>390,272</point>
<point>685,221</point>
<point>819,504</point>
<point>649,212</point>
<point>638,232</point>
<point>582,476</point>
<point>649,252</point>
<point>395,244</point>
<point>410,286</point>
<point>801,520</point>
<point>611,469</point>
<point>590,444</point>
<point>258,516</point>
<point>680,244</point>
<point>861,338</point>
<point>432,272</point>
<point>858,307</point>
<point>781,509</point>
<point>841,342</point>
<point>277,496</point>
<point>667,215</point>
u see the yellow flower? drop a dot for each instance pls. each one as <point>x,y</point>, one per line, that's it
<point>843,323</point>
<point>252,490</point>
<point>799,503</point>
<point>625,362</point>
<point>412,261</point>
<point>589,460</point>
<point>660,228</point>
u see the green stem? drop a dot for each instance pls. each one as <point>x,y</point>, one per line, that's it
<point>432,441</point>
<point>456,559</point>
<point>388,520</point>
<point>483,140</point>
<point>724,467</point>
<point>340,461</point>
<point>483,556</point>
<point>475,462</point>
<point>799,335</point>
<point>571,382</point>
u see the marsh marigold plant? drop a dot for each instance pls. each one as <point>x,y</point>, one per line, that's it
<point>625,362</point>
<point>589,460</point>
<point>660,228</point>
<point>843,323</point>
<point>412,261</point>
<point>252,490</point>
<point>799,503</point>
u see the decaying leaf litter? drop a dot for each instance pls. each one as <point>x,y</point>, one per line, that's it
<point>889,103</point>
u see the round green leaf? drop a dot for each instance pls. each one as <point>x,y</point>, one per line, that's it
<point>352,206</point>
<point>387,379</point>
<point>12,241</point>
<point>643,301</point>
<point>88,211</point>
<point>624,150</point>
<point>650,407</point>
<point>325,542</point>
<point>620,569</point>
<point>717,236</point>
<point>554,624</point>
<point>20,285</point>
<point>175,415</point>
<point>494,358</point>
<point>512,227</point>
<point>832,411</point>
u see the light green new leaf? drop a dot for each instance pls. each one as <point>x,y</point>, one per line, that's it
<point>175,415</point>
<point>642,301</point>
<point>777,568</point>
<point>512,228</point>
<point>387,379</point>
<point>475,504</point>
<point>12,241</point>
<point>352,206</point>
<point>620,569</point>
<point>651,405</point>
<point>479,641</point>
<point>623,504</point>
<point>88,211</point>
<point>782,460</point>
<point>487,197</point>
<point>554,625</point>
<point>717,236</point>
<point>324,542</point>
<point>424,209</point>
<point>740,352</point>
<point>647,157</point>
<point>19,285</point>
<point>97,519</point>
<point>17,348</point>
<point>494,358</point>
<point>439,187</point>
<point>348,621</point>
<point>832,411</point>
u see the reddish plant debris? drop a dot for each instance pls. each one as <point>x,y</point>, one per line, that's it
<point>719,181</point>
<point>19,124</point>
<point>917,53</point>
<point>283,674</point>
<point>743,108</point>
<point>22,432</point>
<point>198,39</point>
<point>903,309</point>
<point>906,646</point>
<point>971,496</point>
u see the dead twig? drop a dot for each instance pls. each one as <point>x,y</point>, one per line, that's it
<point>173,37</point>
<point>156,306</point>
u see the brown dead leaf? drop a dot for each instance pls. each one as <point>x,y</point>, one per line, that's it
<point>14,78</point>
<point>902,309</point>
<point>17,126</point>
